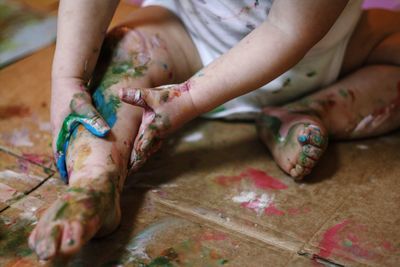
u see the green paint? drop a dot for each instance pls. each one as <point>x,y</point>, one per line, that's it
<point>76,190</point>
<point>71,242</point>
<point>273,124</point>
<point>287,82</point>
<point>61,211</point>
<point>160,262</point>
<point>311,73</point>
<point>303,159</point>
<point>13,238</point>
<point>164,97</point>
<point>347,243</point>
<point>217,110</point>
<point>222,261</point>
<point>343,93</point>
<point>121,67</point>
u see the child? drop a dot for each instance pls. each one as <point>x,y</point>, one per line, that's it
<point>288,48</point>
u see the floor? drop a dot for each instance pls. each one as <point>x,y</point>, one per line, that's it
<point>212,197</point>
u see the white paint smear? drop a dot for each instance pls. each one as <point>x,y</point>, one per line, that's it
<point>258,203</point>
<point>45,126</point>
<point>20,138</point>
<point>194,137</point>
<point>9,174</point>
<point>363,147</point>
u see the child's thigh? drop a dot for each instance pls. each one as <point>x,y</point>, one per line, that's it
<point>376,40</point>
<point>158,38</point>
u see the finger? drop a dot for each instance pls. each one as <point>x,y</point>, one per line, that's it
<point>88,115</point>
<point>134,96</point>
<point>48,246</point>
<point>146,144</point>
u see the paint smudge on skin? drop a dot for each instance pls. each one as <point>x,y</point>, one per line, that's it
<point>259,178</point>
<point>29,204</point>
<point>9,174</point>
<point>20,138</point>
<point>311,73</point>
<point>14,111</point>
<point>193,137</point>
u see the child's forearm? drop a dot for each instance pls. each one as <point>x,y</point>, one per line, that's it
<point>268,51</point>
<point>81,29</point>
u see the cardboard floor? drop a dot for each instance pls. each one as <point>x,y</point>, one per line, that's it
<point>212,197</point>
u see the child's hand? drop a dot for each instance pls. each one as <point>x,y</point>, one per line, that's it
<point>166,108</point>
<point>71,105</point>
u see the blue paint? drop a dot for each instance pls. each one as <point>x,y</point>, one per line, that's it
<point>106,108</point>
<point>69,129</point>
<point>302,138</point>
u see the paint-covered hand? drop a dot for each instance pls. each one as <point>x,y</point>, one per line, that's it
<point>69,109</point>
<point>166,108</point>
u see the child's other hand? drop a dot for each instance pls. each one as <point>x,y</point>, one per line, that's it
<point>166,108</point>
<point>71,104</point>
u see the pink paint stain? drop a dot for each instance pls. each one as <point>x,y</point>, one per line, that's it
<point>213,236</point>
<point>259,178</point>
<point>337,238</point>
<point>272,210</point>
<point>330,241</point>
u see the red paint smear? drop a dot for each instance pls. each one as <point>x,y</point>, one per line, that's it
<point>329,241</point>
<point>272,210</point>
<point>260,179</point>
<point>208,236</point>
<point>352,95</point>
<point>394,104</point>
<point>227,180</point>
<point>388,246</point>
<point>263,180</point>
<point>14,111</point>
<point>38,159</point>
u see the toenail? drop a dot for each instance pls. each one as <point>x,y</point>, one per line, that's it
<point>302,138</point>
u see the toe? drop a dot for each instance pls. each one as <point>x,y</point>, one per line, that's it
<point>297,171</point>
<point>312,151</point>
<point>305,161</point>
<point>71,239</point>
<point>47,247</point>
<point>315,137</point>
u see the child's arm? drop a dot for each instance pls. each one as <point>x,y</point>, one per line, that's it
<point>291,30</point>
<point>81,29</point>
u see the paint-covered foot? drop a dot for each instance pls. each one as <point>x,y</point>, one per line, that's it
<point>166,108</point>
<point>296,140</point>
<point>73,220</point>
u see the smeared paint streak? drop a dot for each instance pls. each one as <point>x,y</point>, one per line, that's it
<point>330,239</point>
<point>264,181</point>
<point>137,247</point>
<point>83,153</point>
<point>254,202</point>
<point>213,236</point>
<point>9,174</point>
<point>20,138</point>
<point>14,111</point>
<point>272,210</point>
<point>193,137</point>
<point>259,178</point>
<point>36,158</point>
<point>107,106</point>
<point>8,193</point>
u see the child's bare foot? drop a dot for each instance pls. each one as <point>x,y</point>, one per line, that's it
<point>165,109</point>
<point>296,140</point>
<point>73,220</point>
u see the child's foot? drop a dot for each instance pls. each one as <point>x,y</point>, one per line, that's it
<point>73,220</point>
<point>296,140</point>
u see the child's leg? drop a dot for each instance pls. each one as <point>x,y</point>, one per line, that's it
<point>145,56</point>
<point>365,103</point>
